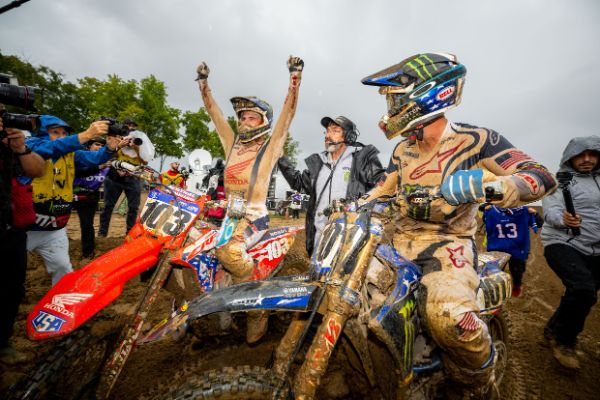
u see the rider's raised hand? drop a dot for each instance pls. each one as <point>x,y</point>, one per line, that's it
<point>295,64</point>
<point>202,71</point>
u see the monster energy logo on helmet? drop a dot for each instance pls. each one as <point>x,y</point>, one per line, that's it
<point>418,90</point>
<point>259,106</point>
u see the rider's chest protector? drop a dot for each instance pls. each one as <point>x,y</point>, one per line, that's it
<point>238,173</point>
<point>421,175</point>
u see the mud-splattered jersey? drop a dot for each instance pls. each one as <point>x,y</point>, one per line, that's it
<point>242,157</point>
<point>416,176</point>
<point>240,163</point>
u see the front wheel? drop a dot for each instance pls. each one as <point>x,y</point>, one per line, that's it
<point>253,383</point>
<point>509,377</point>
<point>72,368</point>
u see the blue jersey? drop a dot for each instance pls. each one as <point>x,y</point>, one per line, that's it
<point>508,230</point>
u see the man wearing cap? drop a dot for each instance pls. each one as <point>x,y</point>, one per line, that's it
<point>117,182</point>
<point>53,192</point>
<point>173,176</point>
<point>345,169</point>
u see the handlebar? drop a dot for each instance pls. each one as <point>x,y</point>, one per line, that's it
<point>493,193</point>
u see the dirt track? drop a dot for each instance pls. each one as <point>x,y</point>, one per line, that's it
<point>544,379</point>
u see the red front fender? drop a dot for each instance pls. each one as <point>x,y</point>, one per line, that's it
<point>79,295</point>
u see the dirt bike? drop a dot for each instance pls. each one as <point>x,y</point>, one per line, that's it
<point>370,300</point>
<point>169,237</point>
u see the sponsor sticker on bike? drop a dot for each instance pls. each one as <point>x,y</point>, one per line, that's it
<point>46,322</point>
<point>165,215</point>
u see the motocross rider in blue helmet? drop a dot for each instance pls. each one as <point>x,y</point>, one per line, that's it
<point>251,155</point>
<point>438,175</point>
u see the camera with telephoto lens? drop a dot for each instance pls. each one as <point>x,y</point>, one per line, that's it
<point>114,127</point>
<point>19,96</point>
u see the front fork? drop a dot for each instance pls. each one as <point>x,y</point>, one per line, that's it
<point>126,343</point>
<point>343,303</point>
<point>309,376</point>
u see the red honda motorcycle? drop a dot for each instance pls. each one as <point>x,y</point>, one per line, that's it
<point>170,237</point>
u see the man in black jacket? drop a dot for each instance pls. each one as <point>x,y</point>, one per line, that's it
<point>345,169</point>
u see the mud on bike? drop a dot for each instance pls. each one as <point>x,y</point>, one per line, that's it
<point>170,238</point>
<point>364,299</point>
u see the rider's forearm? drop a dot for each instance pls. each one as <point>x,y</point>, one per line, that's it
<point>534,182</point>
<point>226,134</point>
<point>280,131</point>
<point>386,188</point>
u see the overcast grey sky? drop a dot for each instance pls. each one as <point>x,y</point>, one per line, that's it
<point>532,64</point>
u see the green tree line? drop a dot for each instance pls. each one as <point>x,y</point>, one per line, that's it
<point>174,132</point>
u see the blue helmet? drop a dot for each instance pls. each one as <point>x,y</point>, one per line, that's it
<point>257,105</point>
<point>418,91</point>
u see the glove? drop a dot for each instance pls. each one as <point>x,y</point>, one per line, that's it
<point>295,64</point>
<point>202,71</point>
<point>465,186</point>
<point>469,187</point>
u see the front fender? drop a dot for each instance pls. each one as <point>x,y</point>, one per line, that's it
<point>80,294</point>
<point>277,295</point>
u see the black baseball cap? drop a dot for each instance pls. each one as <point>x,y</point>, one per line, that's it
<point>129,121</point>
<point>345,123</point>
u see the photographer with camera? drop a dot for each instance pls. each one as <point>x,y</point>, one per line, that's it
<point>574,258</point>
<point>53,192</point>
<point>134,148</point>
<point>16,213</point>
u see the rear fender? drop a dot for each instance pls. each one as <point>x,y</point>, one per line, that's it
<point>277,295</point>
<point>79,295</point>
<point>271,249</point>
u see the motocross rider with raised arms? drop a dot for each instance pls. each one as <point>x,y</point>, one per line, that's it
<point>438,174</point>
<point>251,156</point>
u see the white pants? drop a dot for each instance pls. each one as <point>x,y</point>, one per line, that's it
<point>53,246</point>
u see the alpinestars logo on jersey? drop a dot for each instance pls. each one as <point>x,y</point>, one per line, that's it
<point>434,164</point>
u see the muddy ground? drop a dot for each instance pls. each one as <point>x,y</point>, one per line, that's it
<point>155,363</point>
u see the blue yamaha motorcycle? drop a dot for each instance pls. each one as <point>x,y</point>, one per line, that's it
<point>363,298</point>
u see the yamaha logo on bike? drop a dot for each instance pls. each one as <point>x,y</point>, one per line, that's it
<point>46,322</point>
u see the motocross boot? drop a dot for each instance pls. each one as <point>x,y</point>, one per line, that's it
<point>257,324</point>
<point>468,384</point>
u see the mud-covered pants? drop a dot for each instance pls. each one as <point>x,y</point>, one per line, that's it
<point>234,255</point>
<point>236,260</point>
<point>451,308</point>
